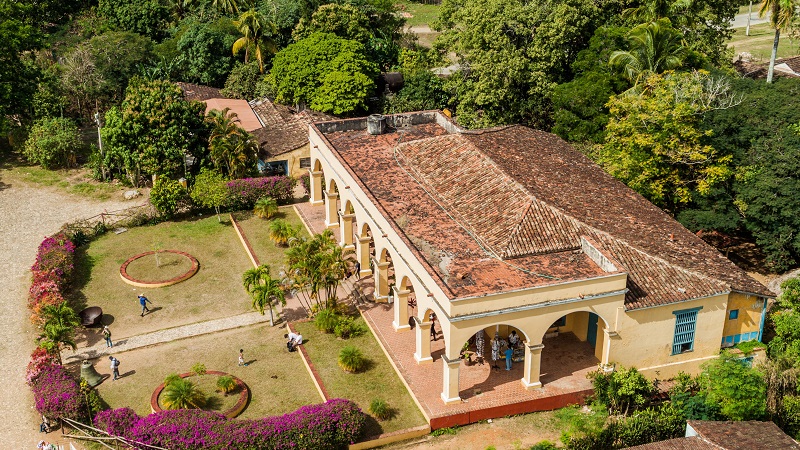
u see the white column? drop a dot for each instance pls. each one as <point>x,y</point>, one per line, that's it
<point>423,353</point>
<point>450,381</point>
<point>400,322</point>
<point>533,366</point>
<point>315,196</point>
<point>331,210</point>
<point>362,253</point>
<point>381,281</point>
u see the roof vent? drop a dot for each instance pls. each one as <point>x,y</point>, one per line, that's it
<point>376,124</point>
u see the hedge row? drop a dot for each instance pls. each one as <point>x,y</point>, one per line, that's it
<point>51,273</point>
<point>330,425</point>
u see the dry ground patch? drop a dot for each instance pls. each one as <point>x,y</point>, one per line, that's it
<point>214,292</point>
<point>278,381</point>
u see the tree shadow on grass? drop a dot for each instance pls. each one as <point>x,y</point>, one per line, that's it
<point>372,427</point>
<point>81,275</point>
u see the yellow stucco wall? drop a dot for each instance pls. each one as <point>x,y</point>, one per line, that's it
<point>749,317</point>
<point>646,336</point>
<point>293,160</point>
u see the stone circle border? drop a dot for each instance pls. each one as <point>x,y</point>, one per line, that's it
<point>235,410</point>
<point>123,270</point>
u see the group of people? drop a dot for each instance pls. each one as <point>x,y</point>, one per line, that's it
<point>506,348</point>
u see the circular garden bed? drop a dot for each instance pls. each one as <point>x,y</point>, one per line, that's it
<point>159,269</point>
<point>230,406</point>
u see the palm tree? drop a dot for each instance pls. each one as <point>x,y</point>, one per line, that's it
<point>225,6</point>
<point>266,207</point>
<point>782,12</point>
<point>264,289</point>
<point>653,48</point>
<point>232,149</point>
<point>280,232</point>
<point>183,394</point>
<point>257,34</point>
<point>58,330</point>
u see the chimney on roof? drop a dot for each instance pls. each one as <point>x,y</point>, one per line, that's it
<point>376,124</point>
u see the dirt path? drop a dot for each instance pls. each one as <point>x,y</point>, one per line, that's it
<point>27,215</point>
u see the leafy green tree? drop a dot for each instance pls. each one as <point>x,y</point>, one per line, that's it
<point>233,151</point>
<point>343,20</point>
<point>52,143</point>
<point>117,56</point>
<point>49,100</point>
<point>266,207</point>
<point>651,425</point>
<point>243,81</point>
<point>81,79</point>
<point>653,48</point>
<point>257,35</point>
<point>781,15</point>
<point>17,77</point>
<point>265,290</point>
<point>316,267</point>
<point>421,91</point>
<point>738,389</point>
<point>183,394</point>
<point>328,73</point>
<point>204,51</point>
<point>621,389</point>
<point>654,141</point>
<point>210,191</point>
<point>152,131</point>
<point>225,6</point>
<point>167,195</point>
<point>146,17</point>
<point>512,70</point>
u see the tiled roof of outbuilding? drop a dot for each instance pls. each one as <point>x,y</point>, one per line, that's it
<point>684,443</point>
<point>750,435</point>
<point>199,92</point>
<point>284,128</point>
<point>506,204</point>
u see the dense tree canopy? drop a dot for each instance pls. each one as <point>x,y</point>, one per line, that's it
<point>17,78</point>
<point>152,131</point>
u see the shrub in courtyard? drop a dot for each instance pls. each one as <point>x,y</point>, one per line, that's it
<point>167,195</point>
<point>199,368</point>
<point>305,182</point>
<point>265,207</point>
<point>54,260</point>
<point>351,359</point>
<point>621,389</point>
<point>40,359</point>
<point>52,143</point>
<point>171,378</point>
<point>347,328</point>
<point>226,384</point>
<point>245,192</point>
<point>57,393</point>
<point>379,409</point>
<point>328,426</point>
<point>280,232</point>
<point>326,320</point>
<point>182,394</point>
<point>544,445</point>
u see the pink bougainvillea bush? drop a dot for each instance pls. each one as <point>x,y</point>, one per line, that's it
<point>40,359</point>
<point>57,393</point>
<point>327,426</point>
<point>244,193</point>
<point>305,182</point>
<point>51,273</point>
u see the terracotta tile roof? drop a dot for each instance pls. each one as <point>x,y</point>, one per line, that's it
<point>684,443</point>
<point>284,128</point>
<point>199,92</point>
<point>245,117</point>
<point>509,206</point>
<point>750,435</point>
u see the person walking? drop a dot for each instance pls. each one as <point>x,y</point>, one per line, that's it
<point>358,270</point>
<point>509,354</point>
<point>107,336</point>
<point>114,366</point>
<point>144,301</point>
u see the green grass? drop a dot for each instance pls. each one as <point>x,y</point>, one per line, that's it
<point>214,292</point>
<point>73,181</point>
<point>379,380</point>
<point>257,232</point>
<point>422,14</point>
<point>278,381</point>
<point>759,43</point>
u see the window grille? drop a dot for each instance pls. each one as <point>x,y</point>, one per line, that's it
<point>685,322</point>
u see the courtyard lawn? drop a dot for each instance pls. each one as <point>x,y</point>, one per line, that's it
<point>759,43</point>
<point>214,292</point>
<point>257,232</point>
<point>279,382</point>
<point>378,381</point>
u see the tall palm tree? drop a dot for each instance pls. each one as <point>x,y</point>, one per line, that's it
<point>264,289</point>
<point>233,150</point>
<point>182,394</point>
<point>653,48</point>
<point>225,6</point>
<point>257,34</point>
<point>782,12</point>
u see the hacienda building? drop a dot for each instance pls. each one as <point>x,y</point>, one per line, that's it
<point>510,229</point>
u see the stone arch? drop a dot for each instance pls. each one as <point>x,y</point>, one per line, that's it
<point>405,303</point>
<point>332,204</point>
<point>317,165</point>
<point>348,220</point>
<point>383,269</point>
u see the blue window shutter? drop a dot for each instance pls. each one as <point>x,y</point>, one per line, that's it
<point>685,322</point>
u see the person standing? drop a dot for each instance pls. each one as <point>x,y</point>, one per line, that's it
<point>433,325</point>
<point>509,354</point>
<point>114,366</point>
<point>107,336</point>
<point>241,357</point>
<point>144,301</point>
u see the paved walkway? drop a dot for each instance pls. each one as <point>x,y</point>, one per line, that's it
<point>27,215</point>
<point>161,336</point>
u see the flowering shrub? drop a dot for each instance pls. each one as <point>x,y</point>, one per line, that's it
<point>54,259</point>
<point>330,425</point>
<point>41,295</point>
<point>244,193</point>
<point>57,394</point>
<point>305,182</point>
<point>40,358</point>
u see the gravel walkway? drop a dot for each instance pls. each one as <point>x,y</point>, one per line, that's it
<point>28,214</point>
